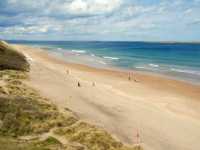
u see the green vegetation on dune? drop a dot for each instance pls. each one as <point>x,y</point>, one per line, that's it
<point>29,121</point>
<point>92,137</point>
<point>22,110</point>
<point>11,59</point>
<point>9,143</point>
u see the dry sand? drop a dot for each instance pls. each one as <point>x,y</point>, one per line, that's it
<point>165,112</point>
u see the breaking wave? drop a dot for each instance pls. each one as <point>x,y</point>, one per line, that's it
<point>111,58</point>
<point>79,51</point>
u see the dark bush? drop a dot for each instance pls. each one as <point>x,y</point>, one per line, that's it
<point>11,59</point>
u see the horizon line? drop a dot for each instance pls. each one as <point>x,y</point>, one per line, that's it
<point>145,41</point>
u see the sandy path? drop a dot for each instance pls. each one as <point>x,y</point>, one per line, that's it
<point>165,112</point>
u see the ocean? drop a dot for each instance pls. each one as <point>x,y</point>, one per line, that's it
<point>175,60</point>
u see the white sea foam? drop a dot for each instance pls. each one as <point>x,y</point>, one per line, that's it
<point>102,62</point>
<point>140,67</point>
<point>93,55</point>
<point>148,66</point>
<point>59,49</point>
<point>79,51</point>
<point>111,58</point>
<point>154,65</point>
<point>186,71</point>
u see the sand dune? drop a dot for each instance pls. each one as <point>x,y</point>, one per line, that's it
<point>165,112</point>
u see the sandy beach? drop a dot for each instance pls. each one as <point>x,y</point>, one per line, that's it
<point>165,112</point>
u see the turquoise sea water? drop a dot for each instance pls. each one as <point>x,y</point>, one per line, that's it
<point>177,60</point>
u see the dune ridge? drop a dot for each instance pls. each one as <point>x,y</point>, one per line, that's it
<point>30,121</point>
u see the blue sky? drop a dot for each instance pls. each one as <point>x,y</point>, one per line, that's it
<point>129,20</point>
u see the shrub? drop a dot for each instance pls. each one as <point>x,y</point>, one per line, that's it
<point>11,59</point>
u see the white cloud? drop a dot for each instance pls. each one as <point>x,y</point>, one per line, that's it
<point>26,4</point>
<point>95,17</point>
<point>26,30</point>
<point>188,11</point>
<point>92,6</point>
<point>78,6</point>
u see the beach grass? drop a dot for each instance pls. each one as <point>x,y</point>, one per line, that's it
<point>27,120</point>
<point>11,59</point>
<point>9,143</point>
<point>23,111</point>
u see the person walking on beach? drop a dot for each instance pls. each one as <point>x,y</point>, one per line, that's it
<point>93,83</point>
<point>135,80</point>
<point>129,76</point>
<point>79,85</point>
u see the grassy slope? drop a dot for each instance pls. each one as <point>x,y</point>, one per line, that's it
<point>10,59</point>
<point>29,121</point>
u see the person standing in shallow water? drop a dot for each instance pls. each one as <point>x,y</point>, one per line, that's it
<point>79,85</point>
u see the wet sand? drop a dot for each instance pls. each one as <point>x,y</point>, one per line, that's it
<point>165,112</point>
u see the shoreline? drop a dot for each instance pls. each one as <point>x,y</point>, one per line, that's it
<point>86,58</point>
<point>118,72</point>
<point>160,108</point>
<point>126,70</point>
